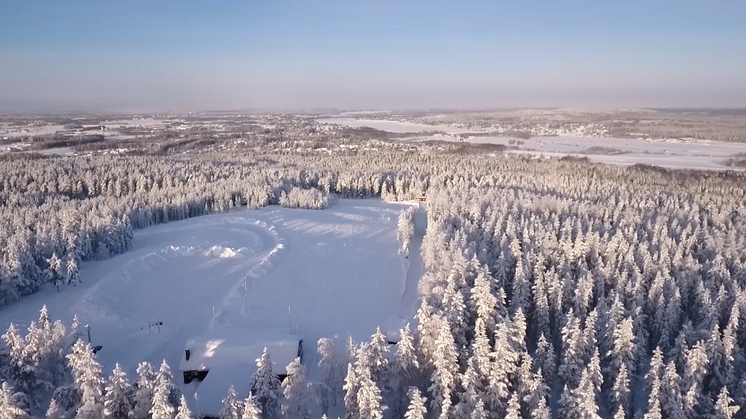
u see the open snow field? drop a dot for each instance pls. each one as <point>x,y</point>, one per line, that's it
<point>338,270</point>
<point>681,154</point>
<point>7,131</point>
<point>678,154</point>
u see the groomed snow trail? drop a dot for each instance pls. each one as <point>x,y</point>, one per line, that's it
<point>338,270</point>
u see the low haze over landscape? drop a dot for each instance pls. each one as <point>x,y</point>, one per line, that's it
<point>372,210</point>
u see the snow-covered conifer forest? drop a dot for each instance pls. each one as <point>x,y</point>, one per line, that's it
<point>551,288</point>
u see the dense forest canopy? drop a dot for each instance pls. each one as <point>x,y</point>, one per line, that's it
<point>552,288</point>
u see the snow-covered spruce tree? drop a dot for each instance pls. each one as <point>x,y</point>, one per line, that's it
<point>417,408</point>
<point>65,400</point>
<point>232,406</point>
<point>54,274</point>
<point>183,411</point>
<point>500,373</point>
<point>374,356</point>
<point>478,412</point>
<point>653,379</point>
<point>165,377</point>
<point>297,403</point>
<point>514,408</point>
<point>352,388</point>
<point>21,369</point>
<point>694,372</point>
<point>119,395</point>
<point>12,404</point>
<point>581,402</point>
<point>332,372</point>
<point>75,333</point>
<point>36,362</point>
<point>147,380</point>
<point>671,396</point>
<point>161,408</point>
<point>54,411</point>
<point>89,380</point>
<point>49,338</point>
<point>266,388</point>
<point>250,408</point>
<point>72,276</point>
<point>405,372</point>
<point>545,358</point>
<point>724,407</point>
<point>405,229</point>
<point>369,398</point>
<point>445,371</point>
<point>572,351</point>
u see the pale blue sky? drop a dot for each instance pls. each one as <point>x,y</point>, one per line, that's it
<point>199,55</point>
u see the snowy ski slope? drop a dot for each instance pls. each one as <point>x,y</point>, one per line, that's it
<point>337,270</point>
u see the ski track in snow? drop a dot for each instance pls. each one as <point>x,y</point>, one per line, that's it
<point>337,270</point>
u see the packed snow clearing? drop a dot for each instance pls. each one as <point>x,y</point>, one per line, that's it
<point>318,273</point>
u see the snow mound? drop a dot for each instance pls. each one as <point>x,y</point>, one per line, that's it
<point>226,252</point>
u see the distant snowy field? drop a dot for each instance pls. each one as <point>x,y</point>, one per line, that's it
<point>682,154</point>
<point>393,126</point>
<point>338,270</point>
<point>14,131</point>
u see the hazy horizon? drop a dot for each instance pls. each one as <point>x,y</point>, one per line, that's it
<point>143,56</point>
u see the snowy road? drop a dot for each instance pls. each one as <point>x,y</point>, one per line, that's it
<point>338,270</point>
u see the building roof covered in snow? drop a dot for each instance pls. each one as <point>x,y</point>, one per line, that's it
<point>234,345</point>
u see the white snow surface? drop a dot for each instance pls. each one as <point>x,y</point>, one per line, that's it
<point>335,271</point>
<point>21,131</point>
<point>682,154</point>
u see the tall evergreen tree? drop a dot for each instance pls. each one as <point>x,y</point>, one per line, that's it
<point>118,396</point>
<point>54,411</point>
<point>183,411</point>
<point>147,380</point>
<point>352,388</point>
<point>445,371</point>
<point>232,407</point>
<point>11,403</point>
<point>250,408</point>
<point>88,379</point>
<point>724,407</point>
<point>671,398</point>
<point>265,386</point>
<point>417,408</point>
<point>297,403</point>
<point>161,408</point>
<point>694,372</point>
<point>332,371</point>
<point>166,378</point>
<point>369,398</point>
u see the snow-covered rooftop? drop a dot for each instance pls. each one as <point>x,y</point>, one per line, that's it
<point>235,345</point>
